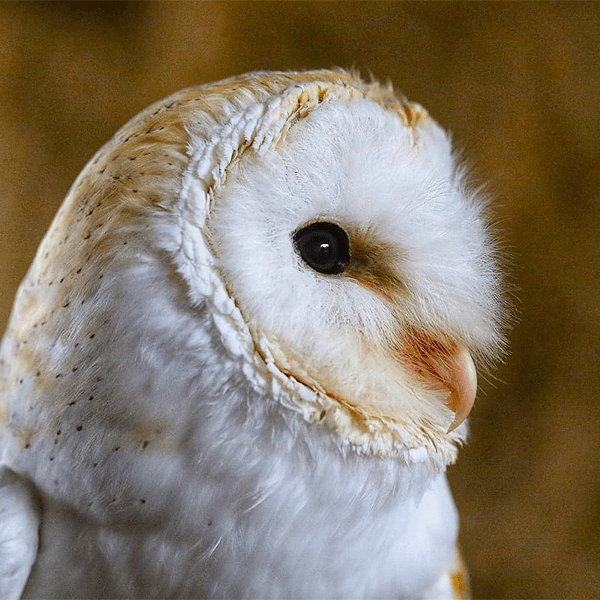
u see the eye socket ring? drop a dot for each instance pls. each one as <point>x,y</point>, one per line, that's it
<point>323,246</point>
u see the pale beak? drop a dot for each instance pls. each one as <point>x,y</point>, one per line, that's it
<point>443,365</point>
<point>462,381</point>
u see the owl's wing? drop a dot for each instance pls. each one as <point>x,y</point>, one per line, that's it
<point>19,522</point>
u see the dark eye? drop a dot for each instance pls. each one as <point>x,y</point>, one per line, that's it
<point>324,247</point>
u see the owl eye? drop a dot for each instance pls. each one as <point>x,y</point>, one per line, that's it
<point>324,247</point>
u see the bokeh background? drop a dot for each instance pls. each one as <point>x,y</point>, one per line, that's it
<point>518,84</point>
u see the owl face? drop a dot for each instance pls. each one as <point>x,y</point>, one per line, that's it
<point>351,246</point>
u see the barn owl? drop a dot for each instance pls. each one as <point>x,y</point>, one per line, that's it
<point>243,356</point>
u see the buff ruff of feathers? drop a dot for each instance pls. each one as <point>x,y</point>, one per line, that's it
<point>242,358</point>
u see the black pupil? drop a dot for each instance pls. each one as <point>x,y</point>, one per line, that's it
<point>324,247</point>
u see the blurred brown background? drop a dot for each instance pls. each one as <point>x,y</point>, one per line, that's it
<point>518,84</point>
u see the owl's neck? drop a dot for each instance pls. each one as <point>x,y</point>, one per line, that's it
<point>296,513</point>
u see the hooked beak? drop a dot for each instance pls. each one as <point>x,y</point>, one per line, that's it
<point>442,364</point>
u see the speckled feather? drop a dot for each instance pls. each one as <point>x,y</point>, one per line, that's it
<point>159,420</point>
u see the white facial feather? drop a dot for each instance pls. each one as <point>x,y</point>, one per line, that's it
<point>357,165</point>
<point>201,412</point>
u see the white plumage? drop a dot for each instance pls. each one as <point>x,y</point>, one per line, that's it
<point>240,362</point>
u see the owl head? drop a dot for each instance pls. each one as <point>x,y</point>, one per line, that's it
<point>345,257</point>
<point>317,223</point>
